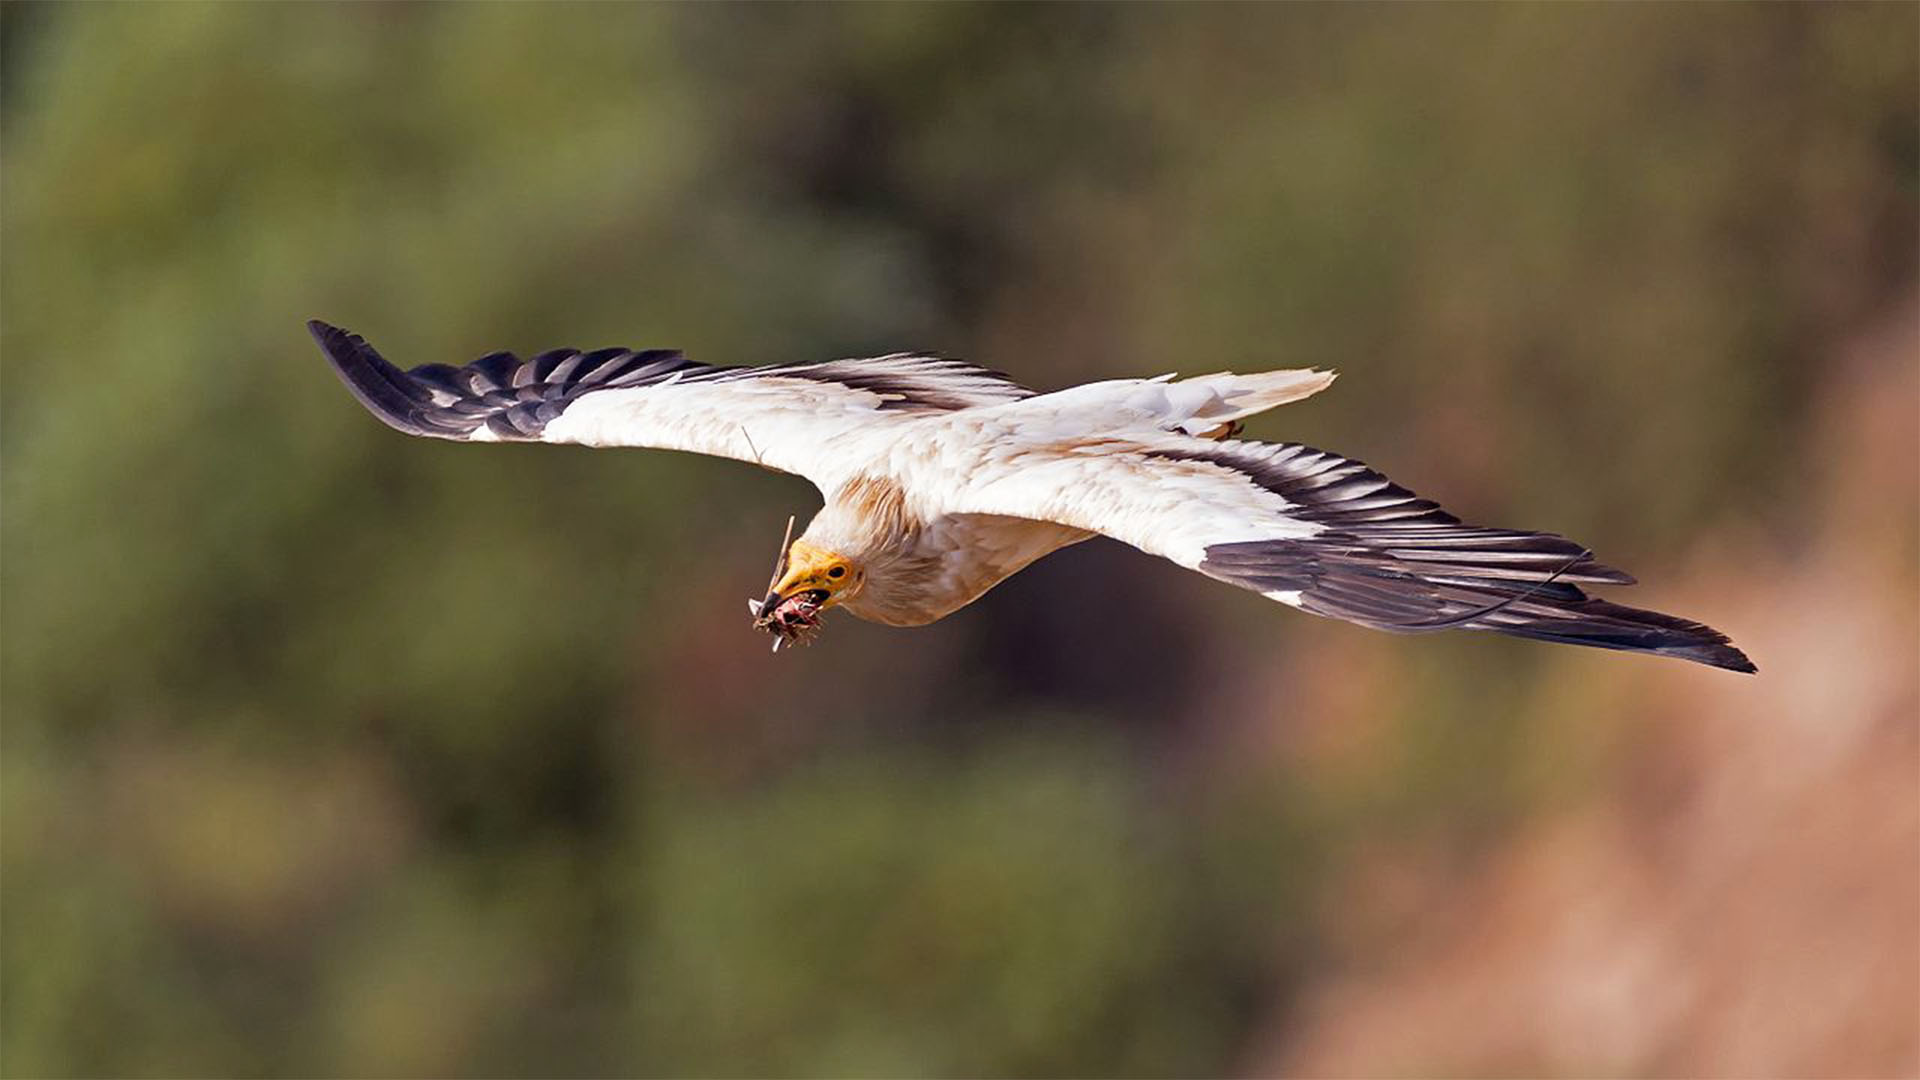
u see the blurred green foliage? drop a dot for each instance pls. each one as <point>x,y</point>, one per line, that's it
<point>329,752</point>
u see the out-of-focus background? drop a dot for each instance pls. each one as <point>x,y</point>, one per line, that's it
<point>331,752</point>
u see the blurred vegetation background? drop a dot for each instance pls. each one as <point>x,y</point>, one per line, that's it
<point>327,752</point>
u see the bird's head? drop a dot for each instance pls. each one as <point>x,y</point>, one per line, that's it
<point>807,581</point>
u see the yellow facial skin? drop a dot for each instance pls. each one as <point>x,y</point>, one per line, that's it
<point>810,567</point>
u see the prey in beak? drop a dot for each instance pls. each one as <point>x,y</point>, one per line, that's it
<point>807,579</point>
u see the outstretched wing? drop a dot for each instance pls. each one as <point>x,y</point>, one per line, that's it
<point>1331,536</point>
<point>786,417</point>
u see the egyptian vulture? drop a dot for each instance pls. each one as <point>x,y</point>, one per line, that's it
<point>942,478</point>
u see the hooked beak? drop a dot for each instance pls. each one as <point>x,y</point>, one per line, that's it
<point>807,568</point>
<point>805,579</point>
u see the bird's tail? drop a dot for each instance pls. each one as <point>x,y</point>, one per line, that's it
<point>1208,406</point>
<point>1221,401</point>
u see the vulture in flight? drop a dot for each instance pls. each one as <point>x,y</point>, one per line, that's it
<point>942,478</point>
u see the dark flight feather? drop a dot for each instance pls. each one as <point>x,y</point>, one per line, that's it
<point>1392,560</point>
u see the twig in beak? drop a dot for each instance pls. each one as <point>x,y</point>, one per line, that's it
<point>779,568</point>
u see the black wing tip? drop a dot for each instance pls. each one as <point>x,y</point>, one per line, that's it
<point>344,350</point>
<point>1604,625</point>
<point>341,346</point>
<point>1704,645</point>
<point>1714,651</point>
<point>1667,635</point>
<point>1737,661</point>
<point>1337,581</point>
<point>1602,574</point>
<point>384,390</point>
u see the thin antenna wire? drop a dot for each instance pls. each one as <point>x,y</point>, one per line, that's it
<point>1480,613</point>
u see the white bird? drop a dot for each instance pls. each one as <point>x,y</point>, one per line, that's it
<point>941,479</point>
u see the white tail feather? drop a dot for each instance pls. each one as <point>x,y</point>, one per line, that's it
<point>1207,402</point>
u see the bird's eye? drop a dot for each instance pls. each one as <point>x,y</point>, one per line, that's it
<point>838,571</point>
